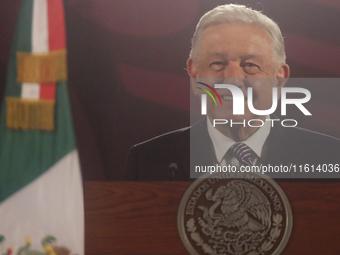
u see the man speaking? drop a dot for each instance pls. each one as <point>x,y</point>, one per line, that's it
<point>241,47</point>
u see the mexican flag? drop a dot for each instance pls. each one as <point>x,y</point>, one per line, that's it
<point>41,196</point>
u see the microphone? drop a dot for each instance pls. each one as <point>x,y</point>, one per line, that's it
<point>173,168</point>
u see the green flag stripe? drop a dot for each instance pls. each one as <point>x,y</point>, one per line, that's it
<point>22,41</point>
<point>23,31</point>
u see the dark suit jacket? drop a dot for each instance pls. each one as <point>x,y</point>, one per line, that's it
<point>167,157</point>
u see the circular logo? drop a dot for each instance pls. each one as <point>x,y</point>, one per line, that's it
<point>234,213</point>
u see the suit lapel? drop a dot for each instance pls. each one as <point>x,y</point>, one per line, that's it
<point>201,148</point>
<point>277,149</point>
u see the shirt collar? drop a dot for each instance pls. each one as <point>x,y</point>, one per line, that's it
<point>222,143</point>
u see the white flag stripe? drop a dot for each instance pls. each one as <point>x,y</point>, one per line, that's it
<point>50,205</point>
<point>30,90</point>
<point>40,27</point>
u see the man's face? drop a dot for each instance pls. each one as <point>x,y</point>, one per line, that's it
<point>235,54</point>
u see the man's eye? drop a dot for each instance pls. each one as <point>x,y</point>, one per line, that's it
<point>217,66</point>
<point>250,65</point>
<point>251,68</point>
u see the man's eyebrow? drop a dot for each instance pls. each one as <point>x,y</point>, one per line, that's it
<point>217,54</point>
<point>251,56</point>
<point>243,57</point>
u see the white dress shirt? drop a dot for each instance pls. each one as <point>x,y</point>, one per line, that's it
<point>222,143</point>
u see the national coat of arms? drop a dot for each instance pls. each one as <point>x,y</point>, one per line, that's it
<point>237,215</point>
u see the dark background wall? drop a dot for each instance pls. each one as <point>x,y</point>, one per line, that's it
<point>127,78</point>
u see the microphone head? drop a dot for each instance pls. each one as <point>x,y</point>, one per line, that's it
<point>173,165</point>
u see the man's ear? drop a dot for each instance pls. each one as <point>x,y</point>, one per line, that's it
<point>192,71</point>
<point>191,68</point>
<point>282,74</point>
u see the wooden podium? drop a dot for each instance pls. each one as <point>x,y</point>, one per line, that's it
<point>141,218</point>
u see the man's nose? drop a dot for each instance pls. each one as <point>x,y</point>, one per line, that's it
<point>234,74</point>
<point>234,70</point>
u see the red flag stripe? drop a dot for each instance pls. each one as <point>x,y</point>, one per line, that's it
<point>56,25</point>
<point>47,91</point>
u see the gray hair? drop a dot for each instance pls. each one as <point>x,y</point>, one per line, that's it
<point>233,13</point>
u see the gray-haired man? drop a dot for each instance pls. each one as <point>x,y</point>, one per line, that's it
<point>240,46</point>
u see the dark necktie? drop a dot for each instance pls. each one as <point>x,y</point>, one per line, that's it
<point>242,153</point>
